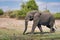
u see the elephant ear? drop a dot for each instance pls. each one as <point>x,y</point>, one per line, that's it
<point>37,15</point>
<point>36,18</point>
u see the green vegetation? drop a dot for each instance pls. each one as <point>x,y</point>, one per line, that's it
<point>57,15</point>
<point>31,5</point>
<point>13,13</point>
<point>47,11</point>
<point>25,7</point>
<point>8,34</point>
<point>1,12</point>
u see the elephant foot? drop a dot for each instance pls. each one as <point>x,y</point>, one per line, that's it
<point>23,33</point>
<point>52,31</point>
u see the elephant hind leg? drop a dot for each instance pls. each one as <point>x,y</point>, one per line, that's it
<point>51,28</point>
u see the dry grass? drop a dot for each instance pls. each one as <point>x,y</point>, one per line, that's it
<point>11,29</point>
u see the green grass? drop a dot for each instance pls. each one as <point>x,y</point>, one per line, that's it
<point>16,35</point>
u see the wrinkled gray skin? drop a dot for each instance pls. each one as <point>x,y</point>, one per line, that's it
<point>39,19</point>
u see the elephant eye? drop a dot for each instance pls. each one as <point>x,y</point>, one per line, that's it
<point>30,16</point>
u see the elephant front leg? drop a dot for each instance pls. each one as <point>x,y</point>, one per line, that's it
<point>35,22</point>
<point>33,28</point>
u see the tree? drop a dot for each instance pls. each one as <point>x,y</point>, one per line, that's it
<point>31,4</point>
<point>25,7</point>
<point>1,12</point>
<point>28,6</point>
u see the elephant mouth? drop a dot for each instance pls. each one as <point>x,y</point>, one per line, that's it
<point>31,19</point>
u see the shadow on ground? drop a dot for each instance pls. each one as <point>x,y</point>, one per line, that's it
<point>38,33</point>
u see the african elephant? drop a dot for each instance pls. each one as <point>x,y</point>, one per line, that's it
<point>39,18</point>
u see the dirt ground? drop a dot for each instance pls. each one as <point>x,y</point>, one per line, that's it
<point>9,23</point>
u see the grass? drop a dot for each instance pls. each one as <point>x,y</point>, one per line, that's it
<point>16,35</point>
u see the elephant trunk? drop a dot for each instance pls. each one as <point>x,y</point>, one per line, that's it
<point>26,23</point>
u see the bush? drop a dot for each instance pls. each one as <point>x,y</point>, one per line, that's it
<point>17,14</point>
<point>1,12</point>
<point>20,14</point>
<point>24,9</point>
<point>57,15</point>
<point>13,14</point>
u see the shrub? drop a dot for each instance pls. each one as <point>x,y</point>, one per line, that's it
<point>57,15</point>
<point>25,7</point>
<point>20,14</point>
<point>1,12</point>
<point>13,14</point>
